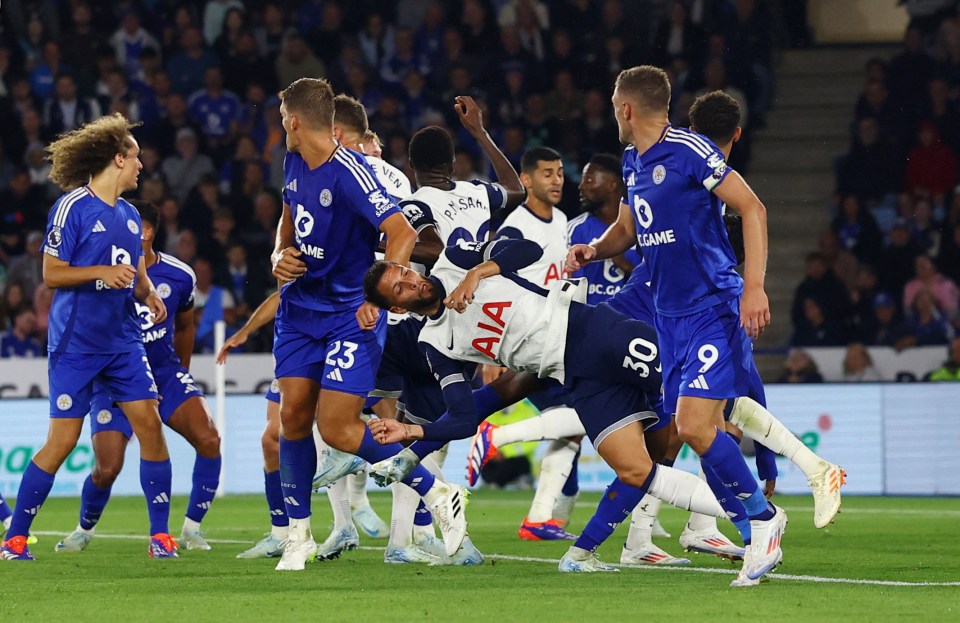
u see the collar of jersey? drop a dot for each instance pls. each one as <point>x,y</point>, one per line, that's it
<point>663,133</point>
<point>535,215</point>
<point>443,294</point>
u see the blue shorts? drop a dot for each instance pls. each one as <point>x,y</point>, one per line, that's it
<point>126,377</point>
<point>550,398</point>
<point>327,347</point>
<point>401,356</point>
<point>176,387</point>
<point>273,392</point>
<point>706,355</point>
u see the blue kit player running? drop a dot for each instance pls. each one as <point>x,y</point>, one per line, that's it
<point>334,210</point>
<point>707,315</point>
<point>182,407</point>
<point>94,260</point>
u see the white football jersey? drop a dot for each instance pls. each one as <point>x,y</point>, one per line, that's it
<point>550,235</point>
<point>393,179</point>
<point>459,214</point>
<point>514,325</point>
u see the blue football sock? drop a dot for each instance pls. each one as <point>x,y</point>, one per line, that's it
<point>572,485</point>
<point>423,516</point>
<point>93,500</point>
<point>155,480</point>
<point>298,464</point>
<point>34,488</point>
<point>615,506</point>
<point>486,401</point>
<point>206,479</point>
<point>727,461</point>
<point>5,511</point>
<point>419,479</point>
<point>729,502</point>
<point>278,511</point>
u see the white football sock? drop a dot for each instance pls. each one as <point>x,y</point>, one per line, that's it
<point>685,491</point>
<point>188,524</point>
<point>641,522</point>
<point>280,532</point>
<point>759,424</point>
<point>339,495</point>
<point>7,522</point>
<point>699,521</point>
<point>300,528</point>
<point>554,471</point>
<point>554,424</point>
<point>405,502</point>
<point>431,465</point>
<point>357,487</point>
<point>440,456</point>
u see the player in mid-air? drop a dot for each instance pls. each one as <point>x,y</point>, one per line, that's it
<point>707,315</point>
<point>606,363</point>
<point>334,210</point>
<point>169,346</point>
<point>94,260</point>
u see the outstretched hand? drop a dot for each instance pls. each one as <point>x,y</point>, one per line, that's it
<point>469,113</point>
<point>236,340</point>
<point>578,256</point>
<point>387,431</point>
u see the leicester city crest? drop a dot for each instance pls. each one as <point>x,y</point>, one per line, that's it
<point>659,174</point>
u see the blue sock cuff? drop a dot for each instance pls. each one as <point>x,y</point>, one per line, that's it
<point>487,401</point>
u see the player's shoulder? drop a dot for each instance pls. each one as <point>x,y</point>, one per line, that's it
<point>70,206</point>
<point>581,220</point>
<point>353,170</point>
<point>177,268</point>
<point>689,145</point>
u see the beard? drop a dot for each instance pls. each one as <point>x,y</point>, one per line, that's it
<point>590,205</point>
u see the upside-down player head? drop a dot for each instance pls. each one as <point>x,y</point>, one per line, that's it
<point>400,289</point>
<point>306,106</point>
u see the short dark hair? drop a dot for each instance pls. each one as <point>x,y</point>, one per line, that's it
<point>349,113</point>
<point>530,158</point>
<point>431,148</point>
<point>716,115</point>
<point>311,99</point>
<point>148,212</point>
<point>609,163</point>
<point>371,281</point>
<point>647,85</point>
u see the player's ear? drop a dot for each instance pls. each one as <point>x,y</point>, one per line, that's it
<point>737,134</point>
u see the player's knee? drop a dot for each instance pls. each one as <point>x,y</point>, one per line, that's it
<point>694,436</point>
<point>105,473</point>
<point>636,474</point>
<point>208,443</point>
<point>270,442</point>
<point>296,423</point>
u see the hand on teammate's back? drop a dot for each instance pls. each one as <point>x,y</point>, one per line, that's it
<point>469,112</point>
<point>286,266</point>
<point>367,316</point>
<point>579,255</point>
<point>754,311</point>
<point>118,276</point>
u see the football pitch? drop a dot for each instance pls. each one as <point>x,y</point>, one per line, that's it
<point>886,559</point>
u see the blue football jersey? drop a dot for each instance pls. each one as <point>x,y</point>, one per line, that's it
<point>176,284</point>
<point>337,211</point>
<point>93,318</point>
<point>680,228</point>
<point>605,278</point>
<point>214,114</point>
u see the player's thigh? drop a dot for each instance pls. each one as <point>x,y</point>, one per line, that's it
<point>338,418</point>
<point>270,440</point>
<point>624,450</point>
<point>193,420</point>
<point>697,421</point>
<point>109,450</point>
<point>62,437</point>
<point>298,406</point>
<point>386,408</point>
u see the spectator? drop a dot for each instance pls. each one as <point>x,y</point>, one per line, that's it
<point>676,36</point>
<point>858,365</point>
<point>188,66</point>
<point>18,340</point>
<point>895,266</point>
<point>168,231</point>
<point>164,134</point>
<point>19,213</point>
<point>67,111</point>
<point>857,230</point>
<point>213,303</point>
<point>800,368</point>
<point>862,297</point>
<point>27,269</point>
<point>404,58</point>
<point>949,256</point>
<point>217,112</point>
<point>838,259</point>
<point>246,66</point>
<point>259,234</point>
<point>42,300</point>
<point>129,41</point>
<point>185,169</point>
<point>908,74</point>
<point>297,61</point>
<point>950,370</point>
<point>43,75</point>
<point>186,250</point>
<point>273,32</point>
<point>13,300</point>
<point>942,111</point>
<point>942,289</point>
<point>823,287</point>
<point>79,43</point>
<point>931,166</point>
<point>884,328</point>
<point>247,280</point>
<point>118,97</point>
<point>429,35</point>
<point>925,324</point>
<point>215,16</point>
<point>816,328</point>
<point>868,170</point>
<point>376,40</point>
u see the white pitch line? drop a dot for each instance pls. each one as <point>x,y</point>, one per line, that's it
<point>779,576</point>
<point>135,537</point>
<point>789,509</point>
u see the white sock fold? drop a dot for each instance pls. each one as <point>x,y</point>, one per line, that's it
<point>760,425</point>
<point>699,521</point>
<point>300,528</point>
<point>641,522</point>
<point>357,487</point>
<point>339,496</point>
<point>405,502</point>
<point>554,471</point>
<point>553,424</point>
<point>685,491</point>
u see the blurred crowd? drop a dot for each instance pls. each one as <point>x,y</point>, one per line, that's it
<point>201,77</point>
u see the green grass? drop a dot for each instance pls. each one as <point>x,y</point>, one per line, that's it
<point>906,540</point>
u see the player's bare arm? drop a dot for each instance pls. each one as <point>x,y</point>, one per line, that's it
<point>147,294</point>
<point>754,306</point>
<point>60,274</point>
<point>266,312</point>
<point>401,239</point>
<point>472,119</point>
<point>286,265</point>
<point>462,295</point>
<point>618,238</point>
<point>184,333</point>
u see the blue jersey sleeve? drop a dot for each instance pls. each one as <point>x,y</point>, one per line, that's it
<point>703,161</point>
<point>64,228</point>
<point>188,290</point>
<point>510,254</point>
<point>496,194</point>
<point>418,213</point>
<point>365,194</point>
<point>460,421</point>
<point>288,167</point>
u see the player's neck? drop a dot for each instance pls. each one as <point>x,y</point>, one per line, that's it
<point>608,212</point>
<point>318,149</point>
<point>648,131</point>
<point>541,209</point>
<point>106,187</point>
<point>435,179</point>
<point>150,257</point>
